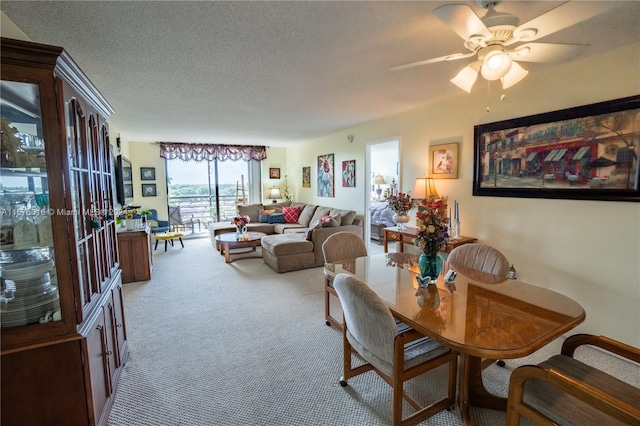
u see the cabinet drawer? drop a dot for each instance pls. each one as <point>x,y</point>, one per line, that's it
<point>392,236</point>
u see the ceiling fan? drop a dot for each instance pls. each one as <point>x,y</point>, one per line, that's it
<point>488,38</point>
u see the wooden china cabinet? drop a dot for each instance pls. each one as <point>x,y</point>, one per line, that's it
<point>62,321</point>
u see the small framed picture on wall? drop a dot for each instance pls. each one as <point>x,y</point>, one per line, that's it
<point>443,161</point>
<point>147,173</point>
<point>148,189</point>
<point>274,173</point>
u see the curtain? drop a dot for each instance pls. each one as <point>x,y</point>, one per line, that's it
<point>201,152</point>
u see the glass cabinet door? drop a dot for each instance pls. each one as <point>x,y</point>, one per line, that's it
<point>28,290</point>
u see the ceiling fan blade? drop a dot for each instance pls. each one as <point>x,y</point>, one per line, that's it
<point>464,21</point>
<point>465,78</point>
<point>561,17</point>
<point>547,52</point>
<point>451,57</point>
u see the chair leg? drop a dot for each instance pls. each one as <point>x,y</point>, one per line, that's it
<point>165,245</point>
<point>181,243</point>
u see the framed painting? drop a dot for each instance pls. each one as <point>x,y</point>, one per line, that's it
<point>349,174</point>
<point>443,161</point>
<point>148,189</point>
<point>274,173</point>
<point>326,175</point>
<point>306,177</point>
<point>147,173</point>
<point>588,153</point>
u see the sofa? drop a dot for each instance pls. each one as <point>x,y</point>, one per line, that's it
<point>381,217</point>
<point>292,243</point>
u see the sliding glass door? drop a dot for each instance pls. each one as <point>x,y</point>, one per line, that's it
<point>210,190</point>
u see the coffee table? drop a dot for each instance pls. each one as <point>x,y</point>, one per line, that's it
<point>228,241</point>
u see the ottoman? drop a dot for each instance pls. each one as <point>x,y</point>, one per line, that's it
<point>168,237</point>
<point>287,252</point>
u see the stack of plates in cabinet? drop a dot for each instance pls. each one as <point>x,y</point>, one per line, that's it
<point>27,293</point>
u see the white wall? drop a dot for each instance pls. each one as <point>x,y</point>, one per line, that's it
<point>587,250</point>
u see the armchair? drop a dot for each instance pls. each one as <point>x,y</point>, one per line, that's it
<point>160,225</point>
<point>565,391</point>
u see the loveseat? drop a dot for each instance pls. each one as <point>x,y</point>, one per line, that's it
<point>294,244</point>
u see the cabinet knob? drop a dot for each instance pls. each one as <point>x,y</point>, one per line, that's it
<point>119,325</point>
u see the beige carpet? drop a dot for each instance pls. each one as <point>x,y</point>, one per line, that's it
<point>237,344</point>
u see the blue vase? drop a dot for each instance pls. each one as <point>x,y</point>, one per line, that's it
<point>430,266</point>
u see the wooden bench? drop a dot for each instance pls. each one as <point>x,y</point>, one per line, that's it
<point>565,391</point>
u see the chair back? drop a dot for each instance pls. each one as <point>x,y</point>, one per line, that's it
<point>368,321</point>
<point>154,214</point>
<point>175,216</point>
<point>481,258</point>
<point>343,246</point>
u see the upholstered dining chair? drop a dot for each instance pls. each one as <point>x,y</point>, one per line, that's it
<point>481,262</point>
<point>339,246</point>
<point>393,350</point>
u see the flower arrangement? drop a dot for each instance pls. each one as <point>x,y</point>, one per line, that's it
<point>400,203</point>
<point>240,221</point>
<point>130,213</point>
<point>432,225</point>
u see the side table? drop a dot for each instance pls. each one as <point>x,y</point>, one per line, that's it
<point>408,234</point>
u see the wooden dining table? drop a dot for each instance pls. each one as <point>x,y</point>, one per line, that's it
<point>478,315</point>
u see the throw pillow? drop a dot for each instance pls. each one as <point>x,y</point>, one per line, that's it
<point>307,214</point>
<point>291,214</point>
<point>320,213</point>
<point>263,216</point>
<point>331,221</point>
<point>152,223</point>
<point>251,210</point>
<point>276,218</point>
<point>315,225</point>
<point>348,216</point>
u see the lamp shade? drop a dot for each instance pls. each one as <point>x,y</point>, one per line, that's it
<point>274,193</point>
<point>379,180</point>
<point>495,65</point>
<point>515,74</point>
<point>424,188</point>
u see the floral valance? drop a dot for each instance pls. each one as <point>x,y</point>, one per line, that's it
<point>201,152</point>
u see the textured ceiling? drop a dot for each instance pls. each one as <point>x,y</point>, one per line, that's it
<point>271,73</point>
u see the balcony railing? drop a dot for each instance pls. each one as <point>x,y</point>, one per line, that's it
<point>203,207</point>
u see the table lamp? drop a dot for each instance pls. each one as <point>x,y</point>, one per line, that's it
<point>274,194</point>
<point>379,180</point>
<point>424,188</point>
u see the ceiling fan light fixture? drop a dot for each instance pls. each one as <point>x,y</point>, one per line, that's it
<point>495,65</point>
<point>515,74</point>
<point>465,79</point>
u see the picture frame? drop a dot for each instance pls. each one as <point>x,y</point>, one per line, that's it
<point>326,176</point>
<point>589,152</point>
<point>443,161</point>
<point>349,174</point>
<point>274,173</point>
<point>147,173</point>
<point>306,177</point>
<point>148,189</point>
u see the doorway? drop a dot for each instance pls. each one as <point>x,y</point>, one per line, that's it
<point>383,160</point>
